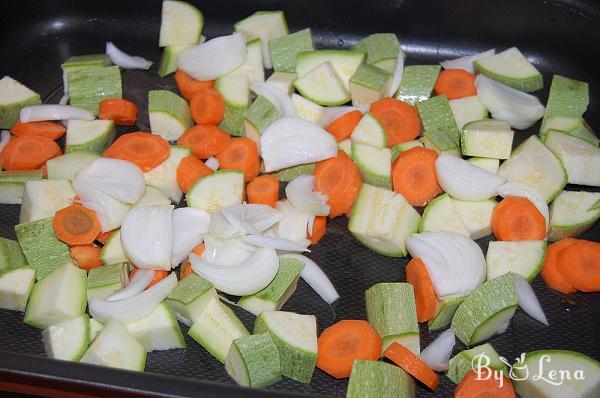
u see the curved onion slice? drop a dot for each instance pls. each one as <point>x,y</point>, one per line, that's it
<point>310,225</point>
<point>147,236</point>
<point>4,138</point>
<point>189,224</point>
<point>212,163</point>
<point>293,224</point>
<point>290,141</point>
<point>258,217</point>
<point>109,210</point>
<point>330,113</point>
<point>226,252</point>
<point>125,60</point>
<point>398,73</point>
<point>118,178</point>
<point>274,243</point>
<point>467,61</point>
<point>276,96</point>
<point>40,113</point>
<point>316,278</point>
<point>133,308</point>
<point>64,99</point>
<point>524,191</point>
<point>246,278</point>
<point>214,58</point>
<point>528,300</point>
<point>243,219</point>
<point>519,109</point>
<point>437,354</point>
<point>301,195</point>
<point>220,227</point>
<point>462,180</point>
<point>141,279</point>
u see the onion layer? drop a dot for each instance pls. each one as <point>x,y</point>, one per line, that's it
<point>125,60</point>
<point>301,195</point>
<point>274,243</point>
<point>398,73</point>
<point>118,178</point>
<point>40,113</point>
<point>528,300</point>
<point>437,354</point>
<point>276,96</point>
<point>141,279</point>
<point>214,58</point>
<point>316,278</point>
<point>467,61</point>
<point>189,224</point>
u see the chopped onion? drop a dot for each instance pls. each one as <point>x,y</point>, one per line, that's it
<point>214,58</point>
<point>141,279</point>
<point>274,243</point>
<point>290,141</point>
<point>124,60</point>
<point>4,138</point>
<point>242,279</point>
<point>189,224</point>
<point>311,224</point>
<point>226,252</point>
<point>316,278</point>
<point>300,192</point>
<point>292,225</point>
<point>331,113</point>
<point>258,217</point>
<point>467,61</point>
<point>530,193</point>
<point>109,210</point>
<point>462,180</point>
<point>64,99</point>
<point>437,354</point>
<point>118,178</point>
<point>133,308</point>
<point>147,236</point>
<point>276,96</point>
<point>528,300</point>
<point>398,72</point>
<point>40,113</point>
<point>212,163</point>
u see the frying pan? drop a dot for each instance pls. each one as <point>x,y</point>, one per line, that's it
<point>558,37</point>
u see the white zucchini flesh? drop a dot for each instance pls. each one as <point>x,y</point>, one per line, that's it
<point>67,340</point>
<point>580,158</point>
<point>524,257</point>
<point>572,213</point>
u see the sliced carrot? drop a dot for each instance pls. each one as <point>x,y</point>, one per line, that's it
<point>342,343</point>
<point>425,297</point>
<point>144,149</point>
<point>413,175</point>
<point>579,265</point>
<point>318,231</point>
<point>455,83</point>
<point>340,180</point>
<point>198,250</point>
<point>263,190</point>
<point>29,152</point>
<point>188,86</point>
<point>472,386</point>
<point>86,256</point>
<point>42,129</point>
<point>550,270</point>
<point>103,236</point>
<point>185,270</point>
<point>159,275</point>
<point>516,218</point>
<point>122,112</point>
<point>400,120</point>
<point>412,364</point>
<point>207,107</point>
<point>342,127</point>
<point>189,170</point>
<point>76,225</point>
<point>205,141</point>
<point>241,154</point>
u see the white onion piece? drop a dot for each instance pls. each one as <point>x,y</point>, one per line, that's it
<point>311,224</point>
<point>147,236</point>
<point>519,109</point>
<point>331,113</point>
<point>141,279</point>
<point>4,138</point>
<point>434,261</point>
<point>290,141</point>
<point>274,243</point>
<point>221,228</point>
<point>316,278</point>
<point>462,180</point>
<point>243,279</point>
<point>276,96</point>
<point>293,224</point>
<point>528,300</point>
<point>133,308</point>
<point>110,211</point>
<point>118,178</point>
<point>530,193</point>
<point>64,99</point>
<point>259,217</point>
<point>437,354</point>
<point>226,252</point>
<point>40,113</point>
<point>189,224</point>
<point>467,61</point>
<point>300,192</point>
<point>398,73</point>
<point>214,58</point>
<point>125,60</point>
<point>212,163</point>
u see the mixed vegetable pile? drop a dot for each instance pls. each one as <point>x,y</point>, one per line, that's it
<point>99,233</point>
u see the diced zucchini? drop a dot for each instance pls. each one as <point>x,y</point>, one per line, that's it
<point>567,98</point>
<point>220,189</point>
<point>67,340</point>
<point>89,86</point>
<point>575,126</point>
<point>12,184</point>
<point>189,298</point>
<point>438,123</point>
<point>168,59</point>
<point>323,86</point>
<point>369,131</point>
<point>444,312</point>
<point>265,25</point>
<point>164,176</point>
<point>157,331</point>
<point>306,109</point>
<point>580,158</point>
<point>181,23</point>
<point>11,255</point>
<point>89,136</point>
<point>285,49</point>
<point>112,251</point>
<point>104,281</point>
<point>417,83</point>
<point>380,48</point>
<point>253,66</point>
<point>346,146</point>
<point>43,198</point>
<point>344,62</point>
<point>462,363</point>
<point>523,257</point>
<point>487,138</point>
<point>289,173</point>
<point>369,84</point>
<point>169,114</point>
<point>572,213</point>
<point>440,215</point>
<point>259,115</point>
<point>374,379</point>
<point>283,80</point>
<point>476,216</point>
<point>253,361</point>
<point>491,165</point>
<point>15,287</point>
<point>512,68</point>
<point>95,328</point>
<point>375,164</point>
<point>236,94</point>
<point>65,167</point>
<point>467,109</point>
<point>14,96</point>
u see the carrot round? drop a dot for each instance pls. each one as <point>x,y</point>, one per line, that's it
<point>579,265</point>
<point>455,83</point>
<point>318,230</point>
<point>400,120</point>
<point>413,175</point>
<point>425,298</point>
<point>29,152</point>
<point>189,170</point>
<point>205,141</point>
<point>342,343</point>
<point>207,107</point>
<point>472,386</point>
<point>412,364</point>
<point>159,275</point>
<point>188,86</point>
<point>185,270</point>
<point>86,256</point>
<point>340,180</point>
<point>42,129</point>
<point>241,154</point>
<point>122,112</point>
<point>516,218</point>
<point>263,190</point>
<point>342,127</point>
<point>103,236</point>
<point>550,270</point>
<point>144,149</point>
<point>76,225</point>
